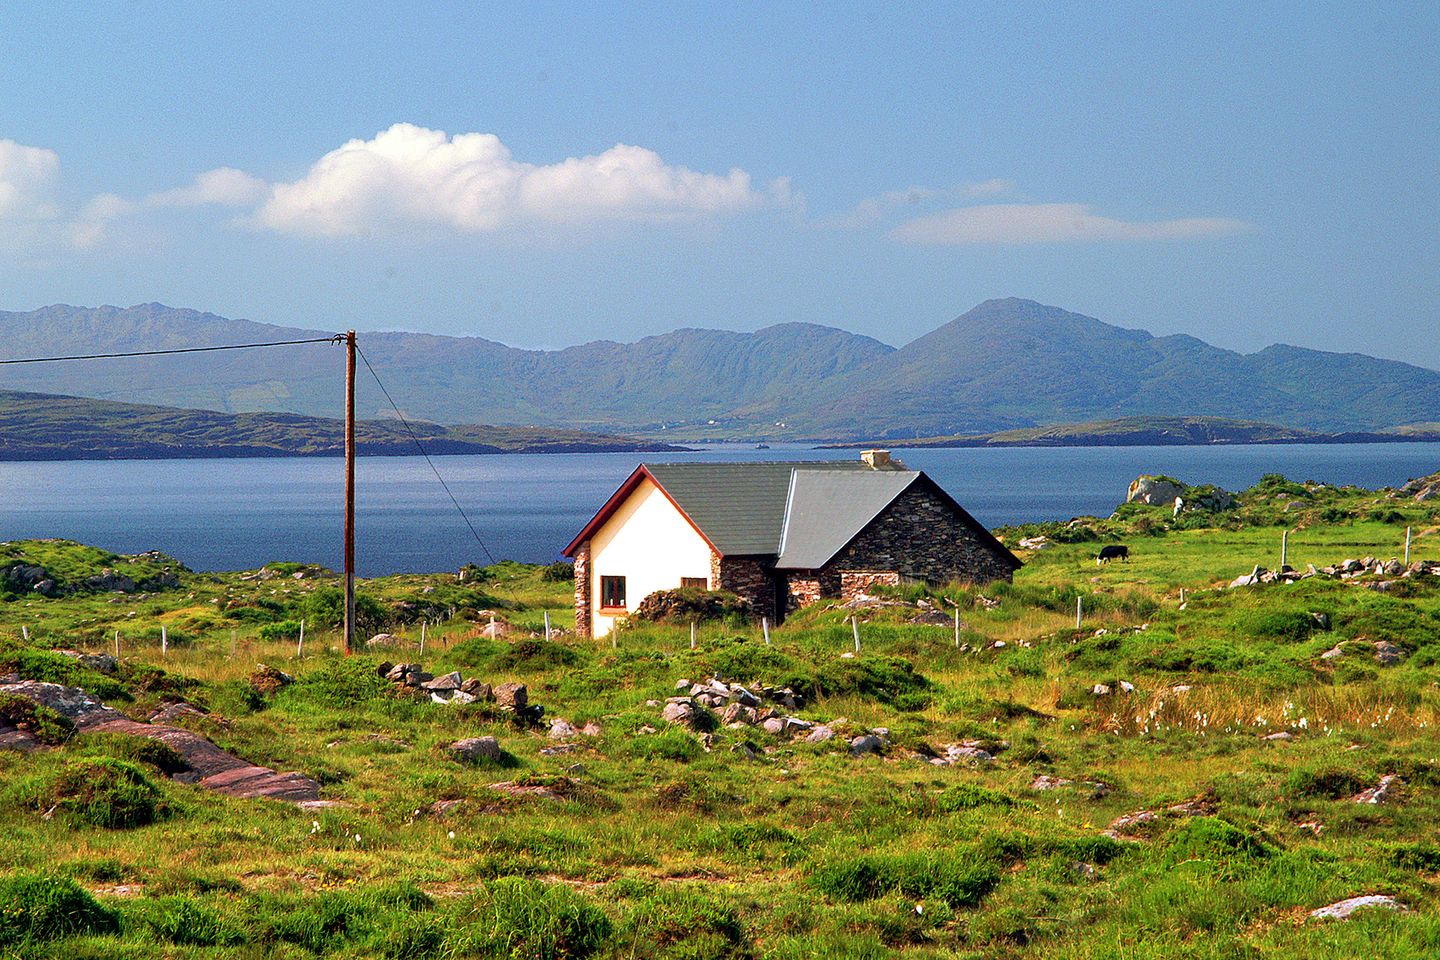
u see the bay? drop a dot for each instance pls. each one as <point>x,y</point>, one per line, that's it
<point>238,514</point>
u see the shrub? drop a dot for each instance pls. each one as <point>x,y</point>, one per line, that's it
<point>967,796</point>
<point>153,753</point>
<point>691,603</point>
<point>326,607</point>
<point>957,880</point>
<point>105,792</point>
<point>182,921</point>
<point>1286,626</point>
<point>561,571</point>
<point>34,908</point>
<point>879,678</point>
<point>343,682</point>
<point>281,630</point>
<point>1215,840</point>
<point>519,917</point>
<point>43,723</point>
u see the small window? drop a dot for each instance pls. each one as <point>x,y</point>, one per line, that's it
<point>694,583</point>
<point>612,592</point>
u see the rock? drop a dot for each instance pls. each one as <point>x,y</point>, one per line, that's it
<point>476,689</point>
<point>738,713</point>
<point>266,681</point>
<point>1100,690</point>
<point>496,629</point>
<point>864,744</point>
<point>1344,909</point>
<point>476,749</point>
<point>683,712</point>
<point>174,711</point>
<point>820,734</point>
<point>1387,653</point>
<point>1047,782</point>
<point>450,681</point>
<point>775,725</point>
<point>562,729</point>
<point>440,808</point>
<point>398,672</point>
<point>381,640</point>
<point>1082,869</point>
<point>417,678</point>
<point>1123,825</point>
<point>1281,735</point>
<point>1383,792</point>
<point>108,581</point>
<point>512,696</point>
<point>1154,491</point>
<point>745,750</point>
<point>1198,807</point>
<point>562,749</point>
<point>682,684</point>
<point>1035,543</point>
<point>1334,653</point>
<point>592,729</point>
<point>1127,686</point>
<point>962,751</point>
<point>453,697</point>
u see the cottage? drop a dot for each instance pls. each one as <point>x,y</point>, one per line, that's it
<point>781,535</point>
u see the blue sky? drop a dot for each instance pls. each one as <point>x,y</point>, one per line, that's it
<point>545,174</point>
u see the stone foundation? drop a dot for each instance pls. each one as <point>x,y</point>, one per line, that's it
<point>855,582</point>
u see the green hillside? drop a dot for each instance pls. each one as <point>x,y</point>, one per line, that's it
<point>36,426</point>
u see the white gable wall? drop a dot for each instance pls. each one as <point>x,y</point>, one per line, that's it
<point>649,542</point>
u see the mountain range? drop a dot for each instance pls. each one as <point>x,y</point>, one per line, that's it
<point>1006,364</point>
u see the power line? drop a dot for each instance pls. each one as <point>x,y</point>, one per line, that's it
<point>421,447</point>
<point>160,353</point>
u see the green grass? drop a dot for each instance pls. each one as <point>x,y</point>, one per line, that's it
<point>661,845</point>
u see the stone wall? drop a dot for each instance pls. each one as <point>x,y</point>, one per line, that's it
<point>920,536</point>
<point>747,577</point>
<point>583,625</point>
<point>855,582</point>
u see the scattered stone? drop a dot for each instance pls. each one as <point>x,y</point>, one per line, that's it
<point>1344,909</point>
<point>864,744</point>
<point>440,808</point>
<point>449,682</point>
<point>561,749</point>
<point>99,662</point>
<point>775,725</point>
<point>1197,807</point>
<point>1082,869</point>
<point>681,711</point>
<point>1154,491</point>
<point>745,750</point>
<point>477,689</point>
<point>1047,782</point>
<point>562,729</point>
<point>1280,736</point>
<point>512,696</point>
<point>738,713</point>
<point>1035,543</point>
<point>1387,653</point>
<point>171,712</point>
<point>820,734</point>
<point>592,729</point>
<point>1383,792</point>
<point>381,640</point>
<point>1100,690</point>
<point>476,749</point>
<point>1334,653</point>
<point>1123,825</point>
<point>967,751</point>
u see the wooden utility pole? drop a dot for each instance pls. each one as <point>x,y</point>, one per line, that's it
<point>349,491</point>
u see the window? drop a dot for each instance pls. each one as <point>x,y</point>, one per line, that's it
<point>612,592</point>
<point>694,583</point>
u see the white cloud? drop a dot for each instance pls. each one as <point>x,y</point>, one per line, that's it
<point>872,210</point>
<point>1016,223</point>
<point>225,186</point>
<point>470,182</point>
<point>26,177</point>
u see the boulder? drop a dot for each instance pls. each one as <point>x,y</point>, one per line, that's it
<point>1344,909</point>
<point>476,689</point>
<point>450,681</point>
<point>1383,792</point>
<point>511,696</point>
<point>1387,653</point>
<point>681,711</point>
<point>562,729</point>
<point>738,713</point>
<point>775,725</point>
<point>1035,543</point>
<point>381,640</point>
<point>1125,824</point>
<point>865,744</point>
<point>1154,491</point>
<point>476,750</point>
<point>820,734</point>
<point>1047,782</point>
<point>592,729</point>
<point>108,581</point>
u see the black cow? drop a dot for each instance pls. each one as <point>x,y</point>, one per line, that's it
<point>1114,551</point>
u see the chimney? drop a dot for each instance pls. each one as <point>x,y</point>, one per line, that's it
<point>876,459</point>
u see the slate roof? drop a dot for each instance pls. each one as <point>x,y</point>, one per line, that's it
<point>801,512</point>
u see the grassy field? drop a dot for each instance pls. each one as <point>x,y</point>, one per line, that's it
<point>652,841</point>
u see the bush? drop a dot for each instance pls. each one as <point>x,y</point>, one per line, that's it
<point>957,880</point>
<point>345,682</point>
<point>180,920</point>
<point>153,753</point>
<point>1286,626</point>
<point>1214,840</point>
<point>105,792</point>
<point>326,608</point>
<point>281,630</point>
<point>40,721</point>
<point>879,678</point>
<point>967,796</point>
<point>561,571</point>
<point>519,917</point>
<point>691,603</point>
<point>35,908</point>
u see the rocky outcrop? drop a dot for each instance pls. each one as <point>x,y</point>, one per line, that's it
<point>206,764</point>
<point>1155,491</point>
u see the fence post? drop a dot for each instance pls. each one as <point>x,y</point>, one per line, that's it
<point>547,626</point>
<point>25,632</point>
<point>164,641</point>
<point>855,627</point>
<point>117,644</point>
<point>422,636</point>
<point>1407,546</point>
<point>300,644</point>
<point>765,628</point>
<point>692,634</point>
<point>1284,548</point>
<point>1079,608</point>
